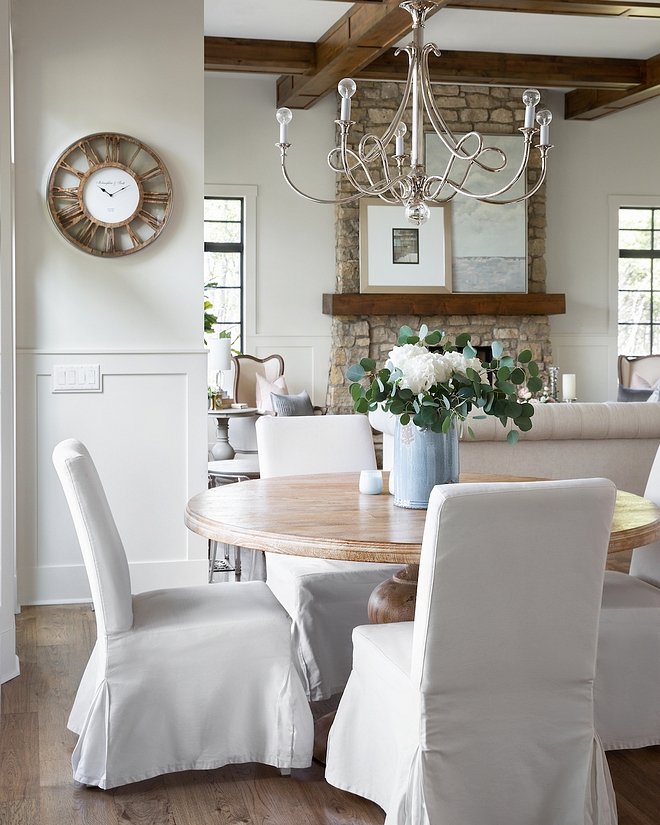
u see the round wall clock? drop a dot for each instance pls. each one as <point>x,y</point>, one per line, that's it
<point>109,194</point>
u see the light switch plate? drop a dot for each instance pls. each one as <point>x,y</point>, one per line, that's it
<point>76,378</point>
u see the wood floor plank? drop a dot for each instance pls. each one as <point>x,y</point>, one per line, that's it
<point>36,786</point>
<point>66,624</point>
<point>206,796</point>
<point>60,670</point>
<point>144,803</point>
<point>70,805</point>
<point>630,815</point>
<point>19,695</point>
<point>20,741</point>
<point>20,812</point>
<point>266,796</point>
<point>337,807</point>
<point>635,777</point>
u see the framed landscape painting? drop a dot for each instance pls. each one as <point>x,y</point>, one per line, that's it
<point>488,241</point>
<point>398,257</point>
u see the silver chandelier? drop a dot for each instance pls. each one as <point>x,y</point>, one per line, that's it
<point>414,189</point>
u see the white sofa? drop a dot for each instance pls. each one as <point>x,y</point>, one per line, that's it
<point>610,440</point>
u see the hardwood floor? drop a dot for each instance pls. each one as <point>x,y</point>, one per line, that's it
<point>36,788</point>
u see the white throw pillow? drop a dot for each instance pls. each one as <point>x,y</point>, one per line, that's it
<point>264,389</point>
<point>637,382</point>
<point>655,395</point>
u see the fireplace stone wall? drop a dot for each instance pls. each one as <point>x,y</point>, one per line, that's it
<point>489,110</point>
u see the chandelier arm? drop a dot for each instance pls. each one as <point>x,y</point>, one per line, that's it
<point>454,145</point>
<point>345,153</point>
<point>491,197</point>
<point>443,181</point>
<point>302,194</point>
<point>374,188</point>
<point>389,133</point>
<point>509,186</point>
<point>527,194</point>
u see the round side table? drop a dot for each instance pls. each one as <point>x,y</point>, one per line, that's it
<point>222,449</point>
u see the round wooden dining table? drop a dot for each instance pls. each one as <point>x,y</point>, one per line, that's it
<point>325,516</point>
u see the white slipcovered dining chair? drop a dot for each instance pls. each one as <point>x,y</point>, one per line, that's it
<point>326,599</point>
<point>627,686</point>
<point>153,698</point>
<point>480,712</point>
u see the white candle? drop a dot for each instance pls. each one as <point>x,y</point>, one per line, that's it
<point>568,387</point>
<point>345,108</point>
<point>371,482</point>
<point>529,116</point>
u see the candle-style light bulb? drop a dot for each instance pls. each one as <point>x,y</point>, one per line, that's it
<point>543,118</point>
<point>346,88</point>
<point>399,134</point>
<point>531,99</point>
<point>284,116</point>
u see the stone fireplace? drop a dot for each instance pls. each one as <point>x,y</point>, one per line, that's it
<point>489,110</point>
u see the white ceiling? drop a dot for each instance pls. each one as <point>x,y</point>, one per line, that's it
<point>455,29</point>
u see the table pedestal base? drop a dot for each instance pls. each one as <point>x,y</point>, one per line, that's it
<point>394,600</point>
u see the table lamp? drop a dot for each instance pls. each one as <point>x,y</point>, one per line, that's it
<point>219,358</point>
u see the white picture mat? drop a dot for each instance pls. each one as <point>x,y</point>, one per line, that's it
<point>378,272</point>
<point>489,241</point>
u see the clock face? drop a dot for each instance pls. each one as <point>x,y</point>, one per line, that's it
<point>109,194</point>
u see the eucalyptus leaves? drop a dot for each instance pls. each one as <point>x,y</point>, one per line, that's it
<point>434,382</point>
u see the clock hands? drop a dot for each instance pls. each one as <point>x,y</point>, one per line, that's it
<point>112,194</point>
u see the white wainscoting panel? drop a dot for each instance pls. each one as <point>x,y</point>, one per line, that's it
<point>146,432</point>
<point>592,359</point>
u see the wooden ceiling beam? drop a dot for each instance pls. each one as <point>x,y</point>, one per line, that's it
<point>608,8</point>
<point>236,54</point>
<point>599,8</point>
<point>485,68</point>
<point>590,104</point>
<point>357,38</point>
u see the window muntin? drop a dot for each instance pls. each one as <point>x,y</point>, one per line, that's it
<point>639,280</point>
<point>224,263</point>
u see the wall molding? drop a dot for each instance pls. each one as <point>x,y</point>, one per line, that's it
<point>163,434</point>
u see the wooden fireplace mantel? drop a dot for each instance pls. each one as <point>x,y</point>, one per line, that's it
<point>502,303</point>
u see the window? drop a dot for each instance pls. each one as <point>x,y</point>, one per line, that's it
<point>639,280</point>
<point>224,263</point>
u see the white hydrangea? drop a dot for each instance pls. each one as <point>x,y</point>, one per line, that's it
<point>422,369</point>
<point>418,366</point>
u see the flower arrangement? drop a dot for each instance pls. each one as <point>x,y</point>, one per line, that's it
<point>434,382</point>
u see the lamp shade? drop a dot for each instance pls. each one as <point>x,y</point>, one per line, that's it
<point>220,354</point>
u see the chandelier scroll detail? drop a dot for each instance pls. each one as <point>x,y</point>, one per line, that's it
<point>401,177</point>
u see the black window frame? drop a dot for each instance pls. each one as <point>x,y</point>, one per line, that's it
<point>211,246</point>
<point>641,254</point>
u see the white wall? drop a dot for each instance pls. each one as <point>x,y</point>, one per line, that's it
<point>134,68</point>
<point>9,666</point>
<point>592,161</point>
<point>295,250</point>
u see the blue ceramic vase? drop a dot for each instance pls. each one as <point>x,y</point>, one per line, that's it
<point>422,459</point>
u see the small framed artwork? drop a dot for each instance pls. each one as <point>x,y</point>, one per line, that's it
<point>405,246</point>
<point>489,241</point>
<point>397,257</point>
